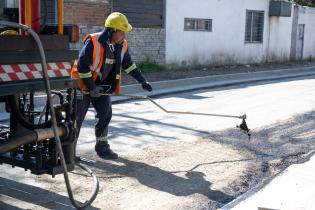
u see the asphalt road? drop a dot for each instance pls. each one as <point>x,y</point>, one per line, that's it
<point>171,161</point>
<point>140,124</point>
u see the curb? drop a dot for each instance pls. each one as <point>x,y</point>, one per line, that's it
<point>251,192</point>
<point>199,83</point>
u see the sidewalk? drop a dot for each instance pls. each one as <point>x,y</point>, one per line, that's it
<point>293,189</point>
<point>217,81</point>
<point>190,84</point>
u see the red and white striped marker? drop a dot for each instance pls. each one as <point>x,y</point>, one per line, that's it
<point>18,72</point>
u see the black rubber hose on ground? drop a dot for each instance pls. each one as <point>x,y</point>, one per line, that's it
<point>54,122</point>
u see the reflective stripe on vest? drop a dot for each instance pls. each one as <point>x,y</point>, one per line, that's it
<point>98,52</point>
<point>124,50</point>
<point>118,76</point>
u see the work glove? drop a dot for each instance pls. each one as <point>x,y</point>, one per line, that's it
<point>146,86</point>
<point>138,76</point>
<point>96,92</point>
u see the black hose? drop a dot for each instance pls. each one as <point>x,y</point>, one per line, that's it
<point>54,122</point>
<point>21,119</point>
<point>61,97</point>
<point>45,16</point>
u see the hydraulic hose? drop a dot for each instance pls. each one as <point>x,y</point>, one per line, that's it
<point>21,119</point>
<point>45,15</point>
<point>54,122</point>
<point>61,97</point>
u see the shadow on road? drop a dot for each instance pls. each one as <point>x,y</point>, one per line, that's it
<point>161,180</point>
<point>14,196</point>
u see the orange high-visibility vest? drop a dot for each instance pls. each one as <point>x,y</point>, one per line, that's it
<point>97,62</point>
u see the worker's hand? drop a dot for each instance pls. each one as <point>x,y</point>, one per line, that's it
<point>96,92</point>
<point>146,86</point>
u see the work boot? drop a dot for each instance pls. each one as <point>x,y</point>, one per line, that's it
<point>103,151</point>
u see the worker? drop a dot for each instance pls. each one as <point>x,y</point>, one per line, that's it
<point>98,70</point>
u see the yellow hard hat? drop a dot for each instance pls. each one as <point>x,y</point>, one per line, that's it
<point>119,21</point>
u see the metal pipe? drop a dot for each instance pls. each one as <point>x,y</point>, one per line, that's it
<point>14,143</point>
<point>243,126</point>
<point>175,112</point>
<point>48,133</point>
<point>60,17</point>
<point>30,137</point>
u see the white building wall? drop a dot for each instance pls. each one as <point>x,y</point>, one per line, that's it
<point>307,17</point>
<point>226,43</point>
<point>279,43</point>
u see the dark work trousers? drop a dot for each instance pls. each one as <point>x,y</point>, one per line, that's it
<point>103,108</point>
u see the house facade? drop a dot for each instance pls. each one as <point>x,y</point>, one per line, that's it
<point>200,32</point>
<point>219,32</point>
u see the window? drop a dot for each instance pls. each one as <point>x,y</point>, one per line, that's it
<point>196,24</point>
<point>254,26</point>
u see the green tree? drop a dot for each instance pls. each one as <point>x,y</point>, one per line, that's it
<point>309,3</point>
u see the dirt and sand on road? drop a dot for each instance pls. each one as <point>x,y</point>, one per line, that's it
<point>183,175</point>
<point>202,174</point>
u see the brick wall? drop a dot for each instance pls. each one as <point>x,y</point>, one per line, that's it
<point>144,43</point>
<point>147,44</point>
<point>86,12</point>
